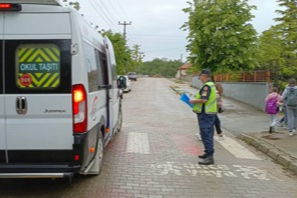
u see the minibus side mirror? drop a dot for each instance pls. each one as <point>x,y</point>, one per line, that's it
<point>122,84</point>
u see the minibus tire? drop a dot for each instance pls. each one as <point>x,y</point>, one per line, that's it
<point>120,120</point>
<point>100,149</point>
<point>99,153</point>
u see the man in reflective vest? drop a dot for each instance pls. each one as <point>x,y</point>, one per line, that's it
<point>205,106</point>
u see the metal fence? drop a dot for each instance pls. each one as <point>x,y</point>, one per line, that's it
<point>256,76</point>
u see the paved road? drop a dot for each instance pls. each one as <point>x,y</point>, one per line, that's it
<point>155,156</point>
<point>238,117</point>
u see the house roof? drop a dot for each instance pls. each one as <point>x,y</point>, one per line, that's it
<point>185,66</point>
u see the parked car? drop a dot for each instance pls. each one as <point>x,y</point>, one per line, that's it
<point>132,76</point>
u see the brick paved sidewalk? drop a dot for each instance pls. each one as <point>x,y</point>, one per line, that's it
<point>252,126</point>
<point>155,156</point>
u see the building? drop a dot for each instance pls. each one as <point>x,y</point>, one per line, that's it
<point>183,74</point>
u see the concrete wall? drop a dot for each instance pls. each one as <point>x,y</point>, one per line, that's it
<point>186,78</point>
<point>253,94</point>
<point>196,82</point>
<point>249,93</point>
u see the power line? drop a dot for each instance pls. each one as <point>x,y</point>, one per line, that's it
<point>99,13</point>
<point>165,49</point>
<point>123,11</point>
<point>102,16</point>
<point>155,35</point>
<point>153,43</point>
<point>107,13</point>
<point>121,7</point>
<point>115,11</point>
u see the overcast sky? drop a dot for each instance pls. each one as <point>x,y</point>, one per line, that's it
<point>156,23</point>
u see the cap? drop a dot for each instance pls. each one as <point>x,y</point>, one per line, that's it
<point>205,71</point>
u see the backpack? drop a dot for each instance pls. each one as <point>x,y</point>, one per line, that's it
<point>292,97</point>
<point>271,106</point>
<point>220,104</point>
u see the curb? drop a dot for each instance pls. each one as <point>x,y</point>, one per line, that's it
<point>273,152</point>
<point>278,155</point>
<point>180,92</point>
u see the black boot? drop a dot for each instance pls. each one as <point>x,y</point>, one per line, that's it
<point>273,130</point>
<point>202,156</point>
<point>207,161</point>
<point>270,129</point>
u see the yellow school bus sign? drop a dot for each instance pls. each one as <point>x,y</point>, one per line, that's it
<point>38,66</point>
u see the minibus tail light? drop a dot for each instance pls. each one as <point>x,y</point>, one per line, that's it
<point>10,7</point>
<point>79,100</point>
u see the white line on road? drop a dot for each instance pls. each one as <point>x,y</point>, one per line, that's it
<point>138,143</point>
<point>237,149</point>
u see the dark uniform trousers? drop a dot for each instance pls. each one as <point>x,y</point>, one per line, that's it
<point>206,125</point>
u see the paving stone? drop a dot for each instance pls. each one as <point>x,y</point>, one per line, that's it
<point>168,170</point>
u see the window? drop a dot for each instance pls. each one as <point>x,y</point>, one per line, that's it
<point>38,66</point>
<point>52,78</point>
<point>91,67</point>
<point>102,67</point>
<point>114,72</point>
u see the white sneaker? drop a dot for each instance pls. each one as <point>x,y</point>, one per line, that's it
<point>221,137</point>
<point>198,136</point>
<point>294,130</point>
<point>291,134</point>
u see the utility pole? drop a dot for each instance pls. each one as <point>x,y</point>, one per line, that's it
<point>180,71</point>
<point>125,24</point>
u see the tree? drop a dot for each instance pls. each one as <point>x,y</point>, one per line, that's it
<point>137,57</point>
<point>288,23</point>
<point>271,47</point>
<point>122,52</point>
<point>164,67</point>
<point>221,36</point>
<point>287,29</point>
<point>75,4</point>
<point>271,54</point>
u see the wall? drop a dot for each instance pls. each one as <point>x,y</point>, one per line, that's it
<point>184,76</point>
<point>187,78</point>
<point>249,93</point>
<point>253,94</point>
<point>196,82</point>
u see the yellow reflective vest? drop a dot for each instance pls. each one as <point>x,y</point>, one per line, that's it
<point>211,104</point>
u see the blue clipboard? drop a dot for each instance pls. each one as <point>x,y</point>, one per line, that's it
<point>186,99</point>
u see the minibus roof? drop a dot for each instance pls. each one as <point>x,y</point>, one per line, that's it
<point>41,2</point>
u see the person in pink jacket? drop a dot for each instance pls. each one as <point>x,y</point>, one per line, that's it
<point>271,98</point>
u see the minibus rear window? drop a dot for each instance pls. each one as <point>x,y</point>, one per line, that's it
<point>38,66</point>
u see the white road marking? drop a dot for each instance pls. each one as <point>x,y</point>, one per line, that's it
<point>220,171</point>
<point>127,124</point>
<point>237,149</point>
<point>138,143</point>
